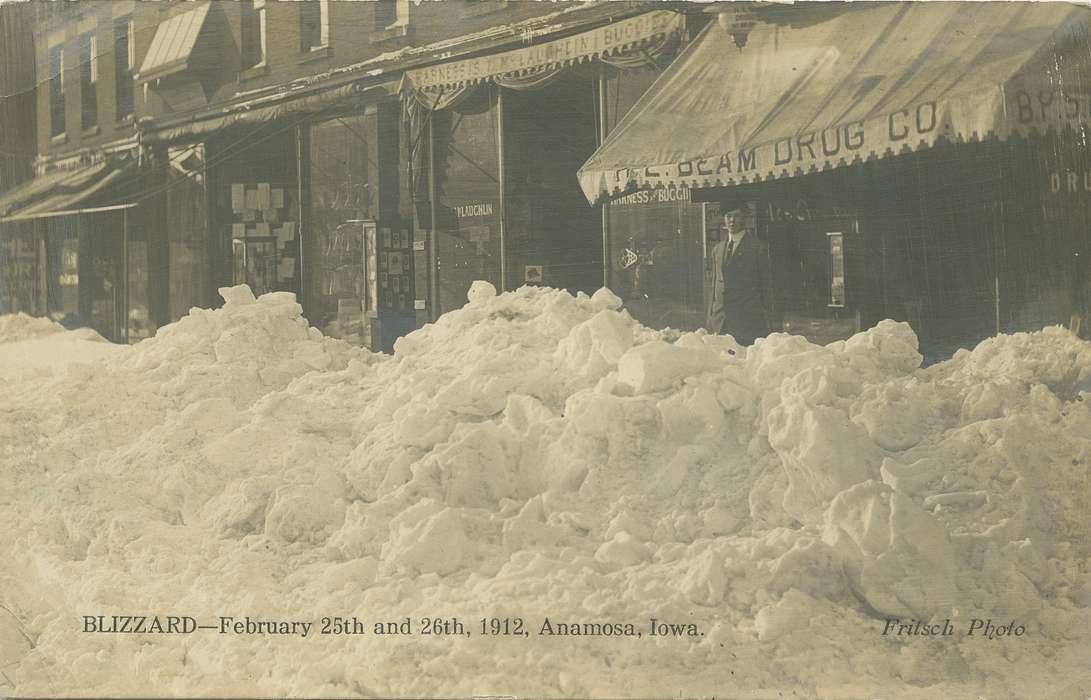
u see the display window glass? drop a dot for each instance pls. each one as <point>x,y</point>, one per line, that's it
<point>656,239</point>
<point>344,196</point>
<point>255,193</point>
<point>187,231</point>
<point>467,197</point>
<point>22,270</point>
<point>62,239</point>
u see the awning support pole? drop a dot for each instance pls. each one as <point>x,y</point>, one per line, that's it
<point>433,246</point>
<point>605,205</point>
<point>300,131</point>
<point>69,212</point>
<point>125,274</point>
<point>500,149</point>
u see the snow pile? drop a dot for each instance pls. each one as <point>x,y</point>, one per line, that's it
<point>38,346</point>
<point>537,455</point>
<point>20,326</point>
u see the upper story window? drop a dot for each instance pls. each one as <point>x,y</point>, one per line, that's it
<point>314,24</point>
<point>386,13</point>
<point>391,15</point>
<point>254,37</point>
<point>88,80</point>
<point>56,90</point>
<point>124,65</point>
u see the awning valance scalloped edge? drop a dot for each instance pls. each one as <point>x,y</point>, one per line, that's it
<point>659,25</point>
<point>587,58</point>
<point>640,182</point>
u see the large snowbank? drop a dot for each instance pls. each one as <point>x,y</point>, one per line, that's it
<point>30,344</point>
<point>20,326</point>
<point>540,455</point>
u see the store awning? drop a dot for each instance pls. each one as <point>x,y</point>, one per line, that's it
<point>254,114</point>
<point>172,45</point>
<point>42,185</point>
<point>56,195</point>
<point>617,37</point>
<point>877,80</point>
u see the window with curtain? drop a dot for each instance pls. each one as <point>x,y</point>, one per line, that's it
<point>88,81</point>
<point>124,64</point>
<point>314,24</point>
<point>386,13</point>
<point>56,90</point>
<point>254,41</point>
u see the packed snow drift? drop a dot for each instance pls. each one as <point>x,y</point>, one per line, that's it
<point>506,504</point>
<point>30,344</point>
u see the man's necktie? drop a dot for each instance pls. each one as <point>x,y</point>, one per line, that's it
<point>730,248</point>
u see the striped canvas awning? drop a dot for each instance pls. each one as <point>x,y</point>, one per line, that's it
<point>617,37</point>
<point>173,43</point>
<point>341,97</point>
<point>58,194</point>
<point>876,80</point>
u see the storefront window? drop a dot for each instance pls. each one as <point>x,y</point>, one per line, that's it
<point>1045,250</point>
<point>344,201</point>
<point>100,236</point>
<point>256,212</point>
<point>64,271</point>
<point>656,238</point>
<point>467,180</point>
<point>138,317</point>
<point>837,268</point>
<point>187,231</point>
<point>84,261</point>
<point>22,270</point>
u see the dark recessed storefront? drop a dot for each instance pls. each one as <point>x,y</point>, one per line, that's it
<point>950,196</point>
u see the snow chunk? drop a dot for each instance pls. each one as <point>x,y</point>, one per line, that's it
<point>657,365</point>
<point>426,539</point>
<point>238,295</point>
<point>605,299</point>
<point>480,291</point>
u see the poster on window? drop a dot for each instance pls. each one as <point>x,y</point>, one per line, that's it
<point>837,269</point>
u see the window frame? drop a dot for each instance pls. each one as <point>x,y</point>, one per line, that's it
<point>379,22</point>
<point>254,29</point>
<point>88,50</point>
<point>124,67</point>
<point>57,106</point>
<point>323,39</point>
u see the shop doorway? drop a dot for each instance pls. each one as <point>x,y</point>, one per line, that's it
<point>822,273</point>
<point>85,272</point>
<point>551,236</point>
<point>467,197</point>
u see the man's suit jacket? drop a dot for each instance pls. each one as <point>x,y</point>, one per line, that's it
<point>741,301</point>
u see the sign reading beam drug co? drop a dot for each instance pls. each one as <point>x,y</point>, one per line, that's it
<point>616,37</point>
<point>882,79</point>
<point>993,113</point>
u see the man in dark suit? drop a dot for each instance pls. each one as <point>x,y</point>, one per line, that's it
<point>742,290</point>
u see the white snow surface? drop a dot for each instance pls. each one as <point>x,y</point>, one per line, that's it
<point>537,455</point>
<point>39,346</point>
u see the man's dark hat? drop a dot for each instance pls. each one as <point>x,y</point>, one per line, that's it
<point>750,208</point>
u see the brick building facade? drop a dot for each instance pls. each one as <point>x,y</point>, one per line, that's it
<point>185,146</point>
